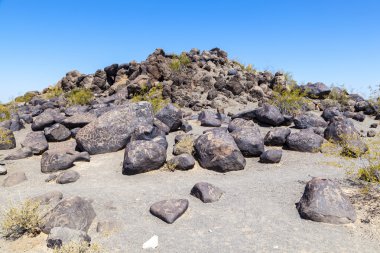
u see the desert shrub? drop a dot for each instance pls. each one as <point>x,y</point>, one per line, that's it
<point>370,164</point>
<point>339,95</point>
<point>170,166</point>
<point>185,145</point>
<point>76,247</point>
<point>25,98</point>
<point>21,219</point>
<point>153,96</point>
<point>289,101</point>
<point>180,62</point>
<point>4,137</point>
<point>5,113</point>
<point>79,96</point>
<point>52,92</point>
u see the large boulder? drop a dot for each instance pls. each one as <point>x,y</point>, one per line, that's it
<point>74,212</point>
<point>304,141</point>
<point>309,120</point>
<point>343,132</point>
<point>111,131</point>
<point>249,141</point>
<point>217,150</point>
<point>142,156</point>
<point>36,141</point>
<point>46,119</point>
<point>53,161</point>
<point>270,115</point>
<point>276,136</point>
<point>7,139</point>
<point>331,112</point>
<point>323,201</point>
<point>170,116</point>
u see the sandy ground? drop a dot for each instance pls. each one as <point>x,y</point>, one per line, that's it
<point>256,214</point>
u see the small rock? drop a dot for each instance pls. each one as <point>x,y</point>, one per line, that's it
<point>169,210</point>
<point>271,156</point>
<point>67,177</point>
<point>181,162</point>
<point>20,154</point>
<point>54,161</point>
<point>206,192</point>
<point>240,123</point>
<point>152,243</point>
<point>186,127</point>
<point>373,125</point>
<point>3,170</point>
<point>14,179</point>
<point>276,136</point>
<point>57,132</point>
<point>51,177</point>
<point>371,133</point>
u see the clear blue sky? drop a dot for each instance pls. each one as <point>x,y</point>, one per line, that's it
<point>333,41</point>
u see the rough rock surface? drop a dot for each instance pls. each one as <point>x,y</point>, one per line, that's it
<point>110,132</point>
<point>14,178</point>
<point>169,210</point>
<point>170,116</point>
<point>36,141</point>
<point>269,114</point>
<point>217,150</point>
<point>206,192</point>
<point>304,141</point>
<point>67,177</point>
<point>20,154</point>
<point>308,120</point>
<point>271,156</point>
<point>323,201</point>
<point>181,162</point>
<point>276,136</point>
<point>74,212</point>
<point>55,161</point>
<point>57,132</point>
<point>249,141</point>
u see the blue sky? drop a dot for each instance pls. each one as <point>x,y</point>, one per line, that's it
<point>333,41</point>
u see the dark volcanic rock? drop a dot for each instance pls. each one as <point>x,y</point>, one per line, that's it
<point>181,162</point>
<point>304,141</point>
<point>206,192</point>
<point>323,201</point>
<point>209,119</point>
<point>371,133</point>
<point>74,212</point>
<point>169,210</point>
<point>269,114</point>
<point>217,150</point>
<point>111,131</point>
<point>54,161</point>
<point>143,156</point>
<point>276,136</point>
<point>14,179</point>
<point>36,141</point>
<point>67,177</point>
<point>57,132</point>
<point>20,154</point>
<point>331,112</point>
<point>79,120</point>
<point>170,116</point>
<point>271,156</point>
<point>308,120</point>
<point>7,139</point>
<point>249,141</point>
<point>240,123</point>
<point>316,90</point>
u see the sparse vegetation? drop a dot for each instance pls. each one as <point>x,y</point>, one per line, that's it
<point>153,96</point>
<point>339,94</point>
<point>290,101</point>
<point>5,113</point>
<point>21,219</point>
<point>25,98</point>
<point>186,145</point>
<point>79,96</point>
<point>369,170</point>
<point>76,247</point>
<point>52,92</point>
<point>178,63</point>
<point>4,137</point>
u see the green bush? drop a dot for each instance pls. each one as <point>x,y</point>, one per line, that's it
<point>289,101</point>
<point>340,95</point>
<point>79,96</point>
<point>5,113</point>
<point>180,62</point>
<point>52,92</point>
<point>21,219</point>
<point>153,96</point>
<point>25,98</point>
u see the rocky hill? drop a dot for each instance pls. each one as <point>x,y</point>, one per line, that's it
<point>93,157</point>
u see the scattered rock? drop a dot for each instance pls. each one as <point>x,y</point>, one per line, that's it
<point>316,90</point>
<point>74,212</point>
<point>14,178</point>
<point>36,141</point>
<point>170,116</point>
<point>143,156</point>
<point>359,117</point>
<point>217,150</point>
<point>3,170</point>
<point>53,161</point>
<point>304,141</point>
<point>206,192</point>
<point>331,112</point>
<point>323,201</point>
<point>57,132</point>
<point>270,115</point>
<point>271,156</point>
<point>67,177</point>
<point>249,141</point>
<point>60,236</point>
<point>169,210</point>
<point>186,127</point>
<point>79,120</point>
<point>276,136</point>
<point>20,154</point>
<point>240,123</point>
<point>373,125</point>
<point>152,243</point>
<point>51,177</point>
<point>181,162</point>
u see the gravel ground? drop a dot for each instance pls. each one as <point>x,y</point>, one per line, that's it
<point>256,214</point>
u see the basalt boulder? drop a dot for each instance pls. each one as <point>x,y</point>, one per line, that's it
<point>304,141</point>
<point>270,115</point>
<point>308,120</point>
<point>249,141</point>
<point>277,136</point>
<point>170,116</point>
<point>53,161</point>
<point>36,141</point>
